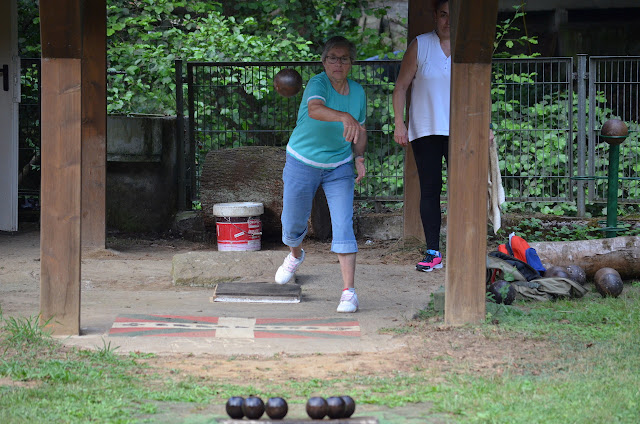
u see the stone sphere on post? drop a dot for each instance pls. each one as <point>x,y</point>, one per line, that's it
<point>614,131</point>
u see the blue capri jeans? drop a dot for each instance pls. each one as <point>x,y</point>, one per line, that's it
<point>301,182</point>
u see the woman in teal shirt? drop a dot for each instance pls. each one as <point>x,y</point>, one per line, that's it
<point>328,140</point>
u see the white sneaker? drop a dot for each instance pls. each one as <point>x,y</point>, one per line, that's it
<point>348,302</point>
<point>288,268</point>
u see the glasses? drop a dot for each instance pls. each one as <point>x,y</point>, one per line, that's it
<point>345,60</point>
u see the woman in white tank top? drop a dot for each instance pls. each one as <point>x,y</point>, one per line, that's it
<point>426,67</point>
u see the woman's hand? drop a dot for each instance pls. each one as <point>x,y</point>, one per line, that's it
<point>400,135</point>
<point>360,169</point>
<point>352,128</point>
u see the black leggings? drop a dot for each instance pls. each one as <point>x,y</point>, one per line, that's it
<point>428,152</point>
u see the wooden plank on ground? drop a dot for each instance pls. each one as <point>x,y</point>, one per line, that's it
<point>94,125</point>
<point>467,204</point>
<point>60,195</point>
<point>256,292</point>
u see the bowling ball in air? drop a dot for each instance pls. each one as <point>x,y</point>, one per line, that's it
<point>317,408</point>
<point>276,408</point>
<point>502,291</point>
<point>253,407</point>
<point>234,407</point>
<point>287,82</point>
<point>335,407</point>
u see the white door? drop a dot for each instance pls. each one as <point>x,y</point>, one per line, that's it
<point>9,99</point>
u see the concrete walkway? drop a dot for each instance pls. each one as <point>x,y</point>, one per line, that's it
<point>135,290</point>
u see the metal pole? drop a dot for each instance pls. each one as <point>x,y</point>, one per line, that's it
<point>582,126</point>
<point>612,198</point>
<point>182,196</point>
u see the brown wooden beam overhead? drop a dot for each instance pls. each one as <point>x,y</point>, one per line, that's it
<point>61,28</point>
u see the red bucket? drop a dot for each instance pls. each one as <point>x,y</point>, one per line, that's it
<point>238,226</point>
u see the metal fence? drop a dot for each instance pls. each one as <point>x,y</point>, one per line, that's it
<point>614,92</point>
<point>29,137</point>
<point>539,112</point>
<point>533,123</point>
<point>547,119</point>
<point>235,104</point>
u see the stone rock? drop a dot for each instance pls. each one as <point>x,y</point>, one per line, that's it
<point>244,174</point>
<point>254,174</point>
<point>208,268</point>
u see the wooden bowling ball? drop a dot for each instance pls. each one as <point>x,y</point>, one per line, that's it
<point>614,130</point>
<point>276,408</point>
<point>335,407</point>
<point>502,291</point>
<point>253,407</point>
<point>234,407</point>
<point>317,408</point>
<point>608,282</point>
<point>577,274</point>
<point>287,82</point>
<point>349,406</point>
<point>556,271</point>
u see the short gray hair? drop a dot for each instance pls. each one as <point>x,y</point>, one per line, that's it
<point>339,41</point>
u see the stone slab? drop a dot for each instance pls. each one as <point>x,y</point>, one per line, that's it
<point>208,268</point>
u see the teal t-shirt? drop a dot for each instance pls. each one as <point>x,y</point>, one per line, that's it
<point>320,143</point>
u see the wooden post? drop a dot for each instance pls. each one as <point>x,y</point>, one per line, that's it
<point>420,22</point>
<point>473,31</point>
<point>60,195</point>
<point>94,125</point>
<point>61,33</point>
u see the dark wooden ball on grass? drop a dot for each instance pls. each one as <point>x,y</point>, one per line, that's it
<point>577,274</point>
<point>234,407</point>
<point>287,82</point>
<point>502,291</point>
<point>317,408</point>
<point>608,282</point>
<point>253,407</point>
<point>349,406</point>
<point>276,408</point>
<point>556,271</point>
<point>335,407</point>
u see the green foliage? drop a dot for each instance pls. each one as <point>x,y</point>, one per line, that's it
<point>504,42</point>
<point>146,37</point>
<point>316,21</point>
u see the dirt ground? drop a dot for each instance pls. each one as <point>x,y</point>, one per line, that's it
<point>427,345</point>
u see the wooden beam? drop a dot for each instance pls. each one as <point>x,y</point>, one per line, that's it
<point>420,22</point>
<point>468,160</point>
<point>61,28</point>
<point>473,22</point>
<point>94,125</point>
<point>467,203</point>
<point>60,195</point>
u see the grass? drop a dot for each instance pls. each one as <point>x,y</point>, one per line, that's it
<point>593,374</point>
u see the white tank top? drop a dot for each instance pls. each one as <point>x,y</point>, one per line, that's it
<point>430,89</point>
